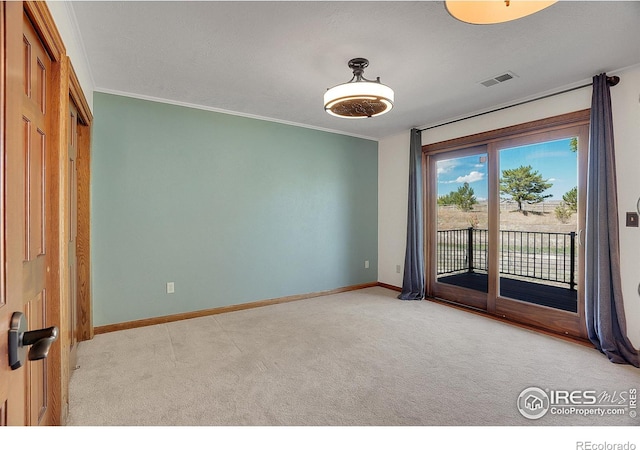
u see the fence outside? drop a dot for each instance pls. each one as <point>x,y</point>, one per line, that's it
<point>529,254</point>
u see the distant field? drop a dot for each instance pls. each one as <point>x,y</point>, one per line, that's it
<point>539,217</point>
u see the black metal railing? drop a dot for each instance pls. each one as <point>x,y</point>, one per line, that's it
<point>528,254</point>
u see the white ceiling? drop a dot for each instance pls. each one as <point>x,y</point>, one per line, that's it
<point>276,59</point>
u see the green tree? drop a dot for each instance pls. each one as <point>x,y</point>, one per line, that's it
<point>573,145</point>
<point>464,198</point>
<point>563,213</point>
<point>445,200</point>
<point>571,199</point>
<point>524,185</point>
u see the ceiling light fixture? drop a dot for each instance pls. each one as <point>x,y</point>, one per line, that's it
<point>496,11</point>
<point>358,97</point>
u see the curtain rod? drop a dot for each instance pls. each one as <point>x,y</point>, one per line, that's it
<point>611,81</point>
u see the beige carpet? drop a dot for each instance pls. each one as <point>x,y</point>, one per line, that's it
<point>357,358</point>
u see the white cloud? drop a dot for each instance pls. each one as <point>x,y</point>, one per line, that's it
<point>446,166</point>
<point>472,177</point>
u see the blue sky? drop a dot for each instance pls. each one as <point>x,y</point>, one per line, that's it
<point>553,160</point>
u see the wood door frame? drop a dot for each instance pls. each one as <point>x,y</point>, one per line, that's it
<point>543,317</point>
<point>64,86</point>
<point>79,320</point>
<point>83,167</point>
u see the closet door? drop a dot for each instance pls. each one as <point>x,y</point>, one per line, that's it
<point>27,187</point>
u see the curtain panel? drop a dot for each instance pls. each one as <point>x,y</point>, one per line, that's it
<point>413,282</point>
<point>604,309</point>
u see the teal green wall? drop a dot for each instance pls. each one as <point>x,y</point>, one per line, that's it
<point>231,209</point>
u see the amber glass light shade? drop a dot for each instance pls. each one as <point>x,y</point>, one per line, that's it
<point>494,11</point>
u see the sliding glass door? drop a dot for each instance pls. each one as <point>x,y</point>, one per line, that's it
<point>504,221</point>
<point>460,207</point>
<point>538,253</point>
<point>540,186</point>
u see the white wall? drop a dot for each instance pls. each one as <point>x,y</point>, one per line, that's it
<point>625,101</point>
<point>393,187</point>
<point>64,18</point>
<point>393,168</point>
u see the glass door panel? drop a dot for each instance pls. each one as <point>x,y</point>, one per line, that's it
<point>461,234</point>
<point>538,224</point>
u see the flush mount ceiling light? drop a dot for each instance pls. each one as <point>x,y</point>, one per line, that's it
<point>358,97</point>
<point>496,11</point>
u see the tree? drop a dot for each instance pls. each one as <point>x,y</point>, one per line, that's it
<point>445,200</point>
<point>524,185</point>
<point>563,213</point>
<point>571,199</point>
<point>568,205</point>
<point>464,198</point>
<point>573,145</point>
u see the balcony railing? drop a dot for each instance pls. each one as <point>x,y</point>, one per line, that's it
<point>528,254</point>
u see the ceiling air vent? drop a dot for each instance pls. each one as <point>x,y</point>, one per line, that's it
<point>498,79</point>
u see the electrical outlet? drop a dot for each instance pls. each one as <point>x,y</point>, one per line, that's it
<point>366,264</point>
<point>398,268</point>
<point>171,288</point>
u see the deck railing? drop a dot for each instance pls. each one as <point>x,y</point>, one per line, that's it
<point>528,254</point>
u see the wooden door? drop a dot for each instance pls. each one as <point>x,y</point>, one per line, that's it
<point>26,78</point>
<point>72,140</point>
<point>5,307</point>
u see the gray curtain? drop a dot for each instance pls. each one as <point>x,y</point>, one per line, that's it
<point>605,317</point>
<point>413,281</point>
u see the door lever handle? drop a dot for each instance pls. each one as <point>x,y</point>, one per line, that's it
<point>40,342</point>
<point>19,339</point>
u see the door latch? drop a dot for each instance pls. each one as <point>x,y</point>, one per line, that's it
<point>19,339</point>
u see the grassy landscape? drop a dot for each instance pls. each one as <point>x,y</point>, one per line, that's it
<point>539,217</point>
